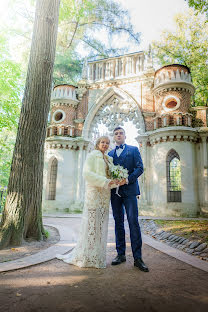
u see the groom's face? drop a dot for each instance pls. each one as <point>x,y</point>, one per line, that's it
<point>119,136</point>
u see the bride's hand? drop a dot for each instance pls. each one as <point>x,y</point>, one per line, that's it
<point>116,181</point>
<point>122,182</point>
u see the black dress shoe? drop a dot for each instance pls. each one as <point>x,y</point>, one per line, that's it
<point>119,259</point>
<point>140,264</point>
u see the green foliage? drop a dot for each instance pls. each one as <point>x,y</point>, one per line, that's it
<point>67,68</point>
<point>188,45</point>
<point>3,193</point>
<point>82,26</point>
<point>46,234</point>
<point>76,9</point>
<point>11,83</point>
<point>7,141</point>
<point>90,27</point>
<point>10,88</point>
<point>201,6</point>
<point>81,20</point>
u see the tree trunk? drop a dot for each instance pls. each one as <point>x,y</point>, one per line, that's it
<point>22,215</point>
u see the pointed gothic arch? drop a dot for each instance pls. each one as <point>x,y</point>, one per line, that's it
<point>173,173</point>
<point>51,179</point>
<point>113,107</point>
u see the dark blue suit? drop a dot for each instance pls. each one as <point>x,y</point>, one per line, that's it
<point>130,158</point>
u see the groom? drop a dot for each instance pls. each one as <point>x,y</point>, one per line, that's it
<point>128,157</point>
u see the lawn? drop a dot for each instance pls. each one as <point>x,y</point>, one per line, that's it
<point>191,229</point>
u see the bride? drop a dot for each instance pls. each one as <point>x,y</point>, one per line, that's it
<point>90,250</point>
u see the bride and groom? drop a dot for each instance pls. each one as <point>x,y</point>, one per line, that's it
<point>90,250</point>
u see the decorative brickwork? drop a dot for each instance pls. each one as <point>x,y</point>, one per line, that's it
<point>82,108</point>
<point>148,98</point>
<point>70,114</point>
<point>149,124</point>
<point>172,68</point>
<point>61,130</point>
<point>183,96</point>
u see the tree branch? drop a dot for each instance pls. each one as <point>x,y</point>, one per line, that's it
<point>75,30</point>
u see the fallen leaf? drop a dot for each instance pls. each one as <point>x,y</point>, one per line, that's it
<point>18,294</point>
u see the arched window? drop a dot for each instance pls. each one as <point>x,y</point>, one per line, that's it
<point>52,180</point>
<point>173,170</point>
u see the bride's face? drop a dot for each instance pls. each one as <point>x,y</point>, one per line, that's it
<point>104,145</point>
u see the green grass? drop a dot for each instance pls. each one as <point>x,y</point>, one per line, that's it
<point>77,211</point>
<point>191,229</point>
<point>6,260</point>
<point>47,234</point>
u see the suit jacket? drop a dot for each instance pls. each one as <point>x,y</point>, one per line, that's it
<point>131,159</point>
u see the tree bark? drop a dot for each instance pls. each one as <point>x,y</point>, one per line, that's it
<point>22,214</point>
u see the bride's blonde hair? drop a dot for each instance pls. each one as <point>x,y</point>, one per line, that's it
<point>104,156</point>
<point>99,140</point>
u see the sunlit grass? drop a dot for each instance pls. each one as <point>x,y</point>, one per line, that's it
<point>193,229</point>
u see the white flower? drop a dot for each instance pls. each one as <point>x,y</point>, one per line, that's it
<point>118,172</point>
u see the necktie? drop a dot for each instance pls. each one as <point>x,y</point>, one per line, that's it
<point>120,146</point>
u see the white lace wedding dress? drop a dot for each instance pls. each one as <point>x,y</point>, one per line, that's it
<point>90,250</point>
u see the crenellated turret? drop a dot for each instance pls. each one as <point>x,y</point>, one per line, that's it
<point>64,95</point>
<point>173,77</point>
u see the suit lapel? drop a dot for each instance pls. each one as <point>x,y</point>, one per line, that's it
<point>113,152</point>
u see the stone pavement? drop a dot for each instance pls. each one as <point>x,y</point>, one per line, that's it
<point>68,226</point>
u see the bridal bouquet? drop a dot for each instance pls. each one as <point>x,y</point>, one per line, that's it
<point>118,172</point>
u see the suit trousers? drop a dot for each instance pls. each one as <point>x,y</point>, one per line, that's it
<point>130,204</point>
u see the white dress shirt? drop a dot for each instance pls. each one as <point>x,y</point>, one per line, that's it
<point>120,150</point>
<point>118,153</point>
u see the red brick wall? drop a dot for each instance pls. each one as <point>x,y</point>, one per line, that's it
<point>70,114</point>
<point>149,123</point>
<point>81,111</point>
<point>148,104</point>
<point>184,97</point>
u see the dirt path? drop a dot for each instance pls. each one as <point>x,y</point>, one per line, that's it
<point>29,248</point>
<point>170,285</point>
